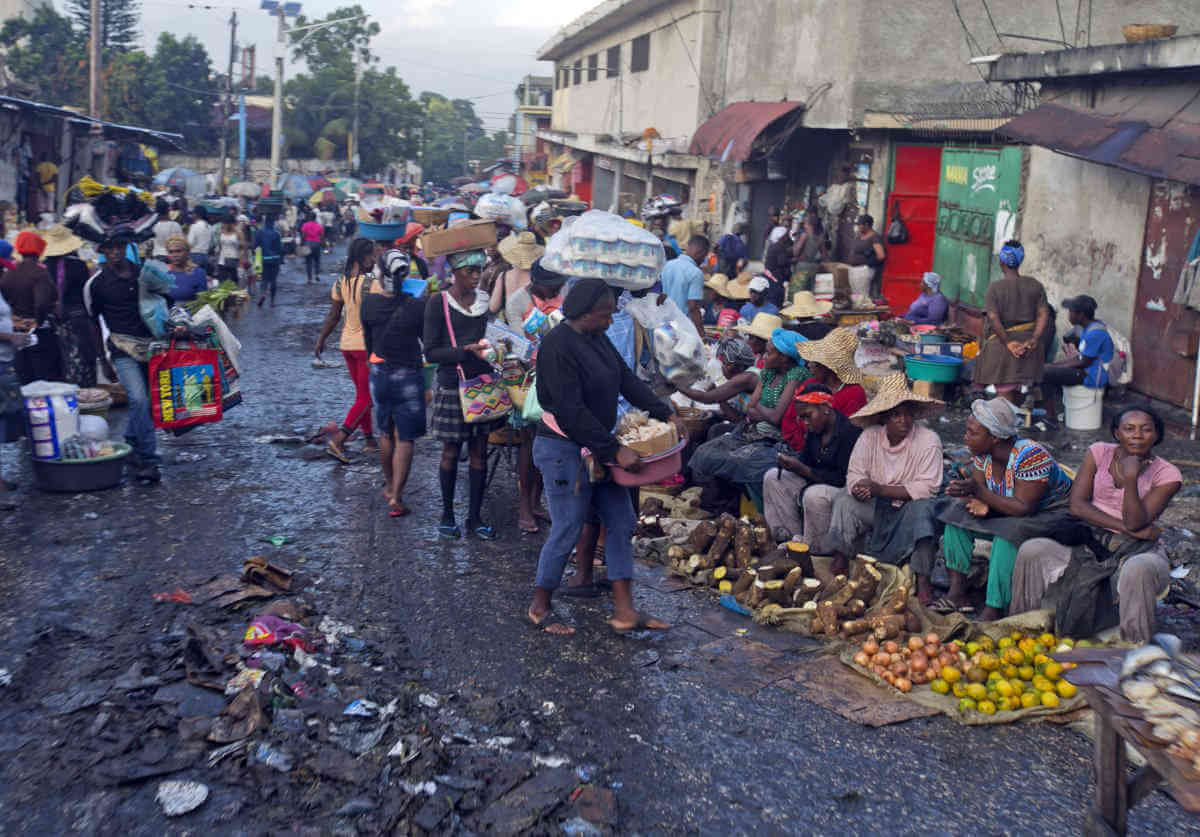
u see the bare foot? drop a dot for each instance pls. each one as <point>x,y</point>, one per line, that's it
<point>539,621</point>
<point>527,525</point>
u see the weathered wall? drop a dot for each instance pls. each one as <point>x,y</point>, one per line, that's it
<point>1083,226</point>
<point>667,96</point>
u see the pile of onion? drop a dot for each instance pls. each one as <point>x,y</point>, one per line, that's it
<point>915,661</point>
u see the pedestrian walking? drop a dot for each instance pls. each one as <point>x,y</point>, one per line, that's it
<point>393,322</point>
<point>579,377</point>
<point>164,229</point>
<point>311,235</point>
<point>270,242</point>
<point>455,322</point>
<point>199,237</point>
<point>231,247</point>
<point>347,296</point>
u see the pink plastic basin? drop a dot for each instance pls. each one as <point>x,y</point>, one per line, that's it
<point>654,468</point>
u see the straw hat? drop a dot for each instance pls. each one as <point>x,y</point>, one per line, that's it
<point>893,391</point>
<point>60,241</point>
<point>835,351</point>
<point>521,250</point>
<point>718,282</point>
<point>763,326</point>
<point>805,305</point>
<point>739,288</point>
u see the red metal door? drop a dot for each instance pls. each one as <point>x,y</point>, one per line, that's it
<point>914,198</point>
<point>1164,334</point>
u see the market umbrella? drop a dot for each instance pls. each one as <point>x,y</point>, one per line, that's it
<point>295,186</point>
<point>244,189</point>
<point>176,176</point>
<point>335,195</point>
<point>348,184</point>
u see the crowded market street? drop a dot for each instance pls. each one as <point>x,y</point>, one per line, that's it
<point>698,730</point>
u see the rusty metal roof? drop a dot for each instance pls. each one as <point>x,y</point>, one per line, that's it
<point>1151,131</point>
<point>730,134</point>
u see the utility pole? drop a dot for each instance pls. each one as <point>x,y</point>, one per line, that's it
<point>94,75</point>
<point>354,133</point>
<point>277,107</point>
<point>226,103</point>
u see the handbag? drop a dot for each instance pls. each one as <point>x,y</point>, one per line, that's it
<point>531,409</point>
<point>482,398</point>
<point>897,231</point>
<point>303,250</point>
<point>185,387</point>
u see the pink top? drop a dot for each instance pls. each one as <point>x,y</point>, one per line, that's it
<point>312,231</point>
<point>1105,494</point>
<point>915,463</point>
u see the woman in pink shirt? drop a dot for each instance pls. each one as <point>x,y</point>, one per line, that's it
<point>1124,523</point>
<point>312,234</point>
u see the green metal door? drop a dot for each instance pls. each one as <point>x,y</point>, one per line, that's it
<point>977,211</point>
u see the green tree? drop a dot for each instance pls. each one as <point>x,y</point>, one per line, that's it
<point>119,23</point>
<point>331,46</point>
<point>451,134</point>
<point>182,89</point>
<point>46,53</point>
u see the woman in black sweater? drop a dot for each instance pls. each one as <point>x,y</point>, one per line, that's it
<point>579,376</point>
<point>466,308</point>
<point>392,325</point>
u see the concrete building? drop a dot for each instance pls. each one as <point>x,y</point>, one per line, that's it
<point>20,8</point>
<point>531,114</point>
<point>1111,194</point>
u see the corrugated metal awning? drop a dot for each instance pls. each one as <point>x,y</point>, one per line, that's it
<point>1154,136</point>
<point>730,134</point>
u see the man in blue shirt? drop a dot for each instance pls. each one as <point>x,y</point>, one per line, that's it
<point>683,281</point>
<point>269,240</point>
<point>731,252</point>
<point>1088,367</point>
<point>759,287</point>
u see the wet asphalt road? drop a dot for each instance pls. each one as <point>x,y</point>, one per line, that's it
<point>685,751</point>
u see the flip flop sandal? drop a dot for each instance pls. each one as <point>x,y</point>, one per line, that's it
<point>603,584</point>
<point>339,455</point>
<point>449,530</point>
<point>484,532</point>
<point>943,605</point>
<point>966,610</point>
<point>642,623</point>
<point>579,591</point>
<point>529,530</point>
<point>399,511</point>
<point>544,624</point>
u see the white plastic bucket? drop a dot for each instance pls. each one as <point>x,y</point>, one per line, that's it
<point>53,413</point>
<point>1083,407</point>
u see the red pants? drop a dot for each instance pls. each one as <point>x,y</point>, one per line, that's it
<point>360,410</point>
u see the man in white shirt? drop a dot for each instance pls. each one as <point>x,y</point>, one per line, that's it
<point>199,237</point>
<point>163,230</point>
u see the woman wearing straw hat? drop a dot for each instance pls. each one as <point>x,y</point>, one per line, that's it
<point>510,295</point>
<point>740,458</point>
<point>896,463</point>
<point>76,336</point>
<point>831,363</point>
<point>805,306</point>
<point>719,310</point>
<point>758,333</point>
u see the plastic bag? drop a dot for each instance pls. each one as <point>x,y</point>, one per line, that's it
<point>678,347</point>
<point>185,387</point>
<point>606,246</point>
<point>504,209</point>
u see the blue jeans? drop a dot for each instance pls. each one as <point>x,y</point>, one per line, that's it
<point>139,431</point>
<point>398,393</point>
<point>571,499</point>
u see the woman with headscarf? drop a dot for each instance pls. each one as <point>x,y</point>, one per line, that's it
<point>1013,352</point>
<point>1014,491</point>
<point>1121,491</point>
<point>931,307</point>
<point>346,297</point>
<point>33,296</point>
<point>190,278</point>
<point>393,322</point>
<point>739,459</point>
<point>455,323</point>
<point>741,379</point>
<point>778,263</point>
<point>579,378</point>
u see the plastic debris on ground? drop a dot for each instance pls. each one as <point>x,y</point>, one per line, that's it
<point>273,757</point>
<point>178,798</point>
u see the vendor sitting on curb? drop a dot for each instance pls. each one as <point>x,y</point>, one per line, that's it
<point>733,396</point>
<point>896,461</point>
<point>719,310</point>
<point>1014,491</point>
<point>1090,349</point>
<point>931,307</point>
<point>1124,524</point>
<point>831,363</point>
<point>819,470</point>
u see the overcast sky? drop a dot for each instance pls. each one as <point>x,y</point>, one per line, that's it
<point>461,48</point>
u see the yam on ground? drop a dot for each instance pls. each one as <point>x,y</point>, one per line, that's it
<point>802,555</point>
<point>852,609</point>
<point>898,603</point>
<point>773,591</point>
<point>791,581</point>
<point>723,573</point>
<point>807,590</point>
<point>762,540</point>
<point>856,626</point>
<point>676,552</point>
<point>827,614</point>
<point>743,544</point>
<point>745,581</point>
<point>845,593</point>
<point>700,538</point>
<point>726,527</point>
<point>887,627</point>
